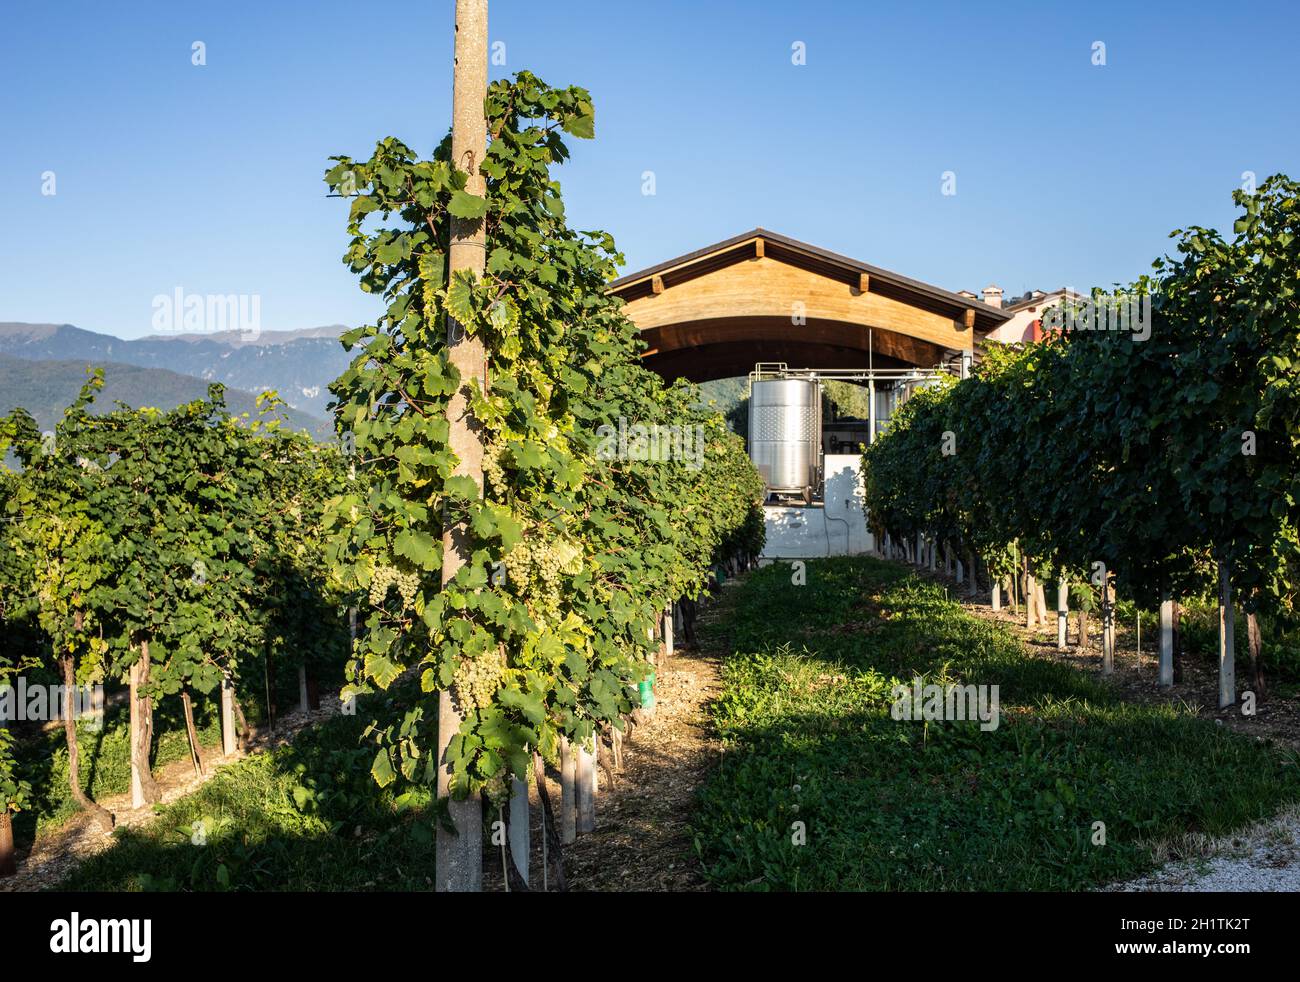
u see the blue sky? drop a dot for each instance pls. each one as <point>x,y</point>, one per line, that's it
<point>209,177</point>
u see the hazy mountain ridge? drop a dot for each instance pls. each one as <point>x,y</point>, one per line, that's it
<point>298,365</point>
<point>46,387</point>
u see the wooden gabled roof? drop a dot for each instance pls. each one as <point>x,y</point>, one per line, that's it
<point>764,243</point>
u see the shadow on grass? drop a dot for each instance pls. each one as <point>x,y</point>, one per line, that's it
<point>892,804</point>
<point>305,816</point>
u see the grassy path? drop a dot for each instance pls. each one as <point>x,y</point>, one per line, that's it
<point>891,804</point>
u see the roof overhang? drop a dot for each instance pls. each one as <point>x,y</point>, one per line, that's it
<point>760,243</point>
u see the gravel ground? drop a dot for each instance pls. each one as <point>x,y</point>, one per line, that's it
<point>1264,858</point>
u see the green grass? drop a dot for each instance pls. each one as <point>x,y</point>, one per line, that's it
<point>897,805</point>
<point>106,753</point>
<point>306,816</point>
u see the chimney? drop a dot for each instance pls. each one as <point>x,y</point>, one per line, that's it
<point>993,295</point>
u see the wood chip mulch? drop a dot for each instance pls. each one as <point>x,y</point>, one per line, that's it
<point>642,840</point>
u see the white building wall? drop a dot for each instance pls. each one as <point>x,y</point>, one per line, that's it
<point>838,528</point>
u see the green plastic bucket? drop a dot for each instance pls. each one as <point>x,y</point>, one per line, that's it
<point>646,690</point>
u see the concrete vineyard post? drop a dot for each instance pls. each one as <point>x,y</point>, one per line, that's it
<point>568,793</point>
<point>1062,612</point>
<point>1166,642</point>
<point>519,825</point>
<point>1031,602</point>
<point>227,716</point>
<point>996,599</point>
<point>1227,642</point>
<point>302,689</point>
<point>1113,596</point>
<point>1107,629</point>
<point>668,631</point>
<point>585,786</point>
<point>459,859</point>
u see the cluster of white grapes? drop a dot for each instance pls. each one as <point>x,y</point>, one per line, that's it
<point>386,577</point>
<point>477,679</point>
<point>493,475</point>
<point>537,570</point>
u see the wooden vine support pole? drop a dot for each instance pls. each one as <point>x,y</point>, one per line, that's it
<point>1255,643</point>
<point>459,860</point>
<point>266,687</point>
<point>552,847</point>
<point>143,788</point>
<point>100,814</point>
<point>1227,641</point>
<point>8,859</point>
<point>196,755</point>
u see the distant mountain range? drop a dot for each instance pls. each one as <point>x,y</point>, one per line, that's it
<point>298,365</point>
<point>42,366</point>
<point>46,387</point>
